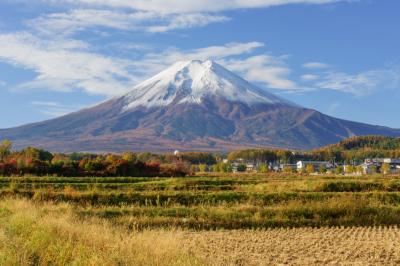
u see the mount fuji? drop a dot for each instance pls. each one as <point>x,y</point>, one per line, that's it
<point>193,105</point>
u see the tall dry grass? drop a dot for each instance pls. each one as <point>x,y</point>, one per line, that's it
<point>45,233</point>
<point>51,234</point>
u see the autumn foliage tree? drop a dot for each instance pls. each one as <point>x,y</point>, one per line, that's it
<point>5,149</point>
<point>32,161</point>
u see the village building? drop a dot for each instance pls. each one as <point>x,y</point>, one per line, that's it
<point>317,165</point>
<point>374,165</point>
<point>250,167</point>
<point>369,168</point>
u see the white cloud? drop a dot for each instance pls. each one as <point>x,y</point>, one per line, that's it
<point>316,65</point>
<point>268,70</point>
<point>187,21</point>
<point>358,84</point>
<point>65,65</point>
<point>81,19</point>
<point>309,77</point>
<point>53,109</point>
<point>173,55</point>
<point>334,107</point>
<point>143,15</point>
<point>130,46</point>
<point>185,6</point>
<point>363,83</point>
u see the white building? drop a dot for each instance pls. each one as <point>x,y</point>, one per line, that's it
<point>317,165</point>
<point>250,167</point>
<point>371,166</point>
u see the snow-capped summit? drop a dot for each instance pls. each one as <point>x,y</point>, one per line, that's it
<point>192,81</point>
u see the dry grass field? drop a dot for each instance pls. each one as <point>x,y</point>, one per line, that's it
<point>227,220</point>
<point>52,234</point>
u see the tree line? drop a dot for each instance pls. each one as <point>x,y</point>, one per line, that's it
<point>355,149</point>
<point>40,162</point>
<point>33,161</point>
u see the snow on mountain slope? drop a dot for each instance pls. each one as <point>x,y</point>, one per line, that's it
<point>192,81</point>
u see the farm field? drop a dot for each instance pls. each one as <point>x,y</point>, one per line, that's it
<point>246,219</point>
<point>221,202</point>
<point>300,246</point>
<point>52,234</point>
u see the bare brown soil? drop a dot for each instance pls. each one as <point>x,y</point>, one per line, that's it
<point>301,246</point>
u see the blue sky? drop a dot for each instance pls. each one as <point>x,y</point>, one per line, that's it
<point>339,57</point>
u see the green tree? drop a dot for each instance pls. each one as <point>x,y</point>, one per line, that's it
<point>359,169</point>
<point>263,168</point>
<point>241,168</point>
<point>215,168</point>
<point>339,170</point>
<point>220,167</point>
<point>374,169</point>
<point>284,156</point>
<point>144,157</point>
<point>5,149</point>
<point>202,168</point>
<point>129,157</point>
<point>288,169</point>
<point>223,167</point>
<point>323,169</point>
<point>310,169</point>
<point>385,169</point>
<point>350,169</point>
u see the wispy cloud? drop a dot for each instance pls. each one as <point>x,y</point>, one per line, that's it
<point>309,77</point>
<point>81,19</point>
<point>185,21</point>
<point>77,20</point>
<point>333,107</point>
<point>65,65</point>
<point>325,77</point>
<point>185,6</point>
<point>362,83</point>
<point>156,16</point>
<point>269,70</point>
<point>53,109</point>
<point>316,65</point>
<point>173,55</point>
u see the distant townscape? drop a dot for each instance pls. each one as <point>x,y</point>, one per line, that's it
<point>369,166</point>
<point>354,156</point>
